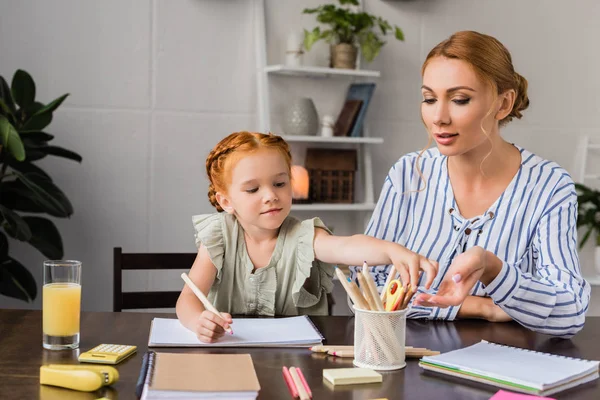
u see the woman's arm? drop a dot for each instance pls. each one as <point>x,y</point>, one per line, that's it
<point>553,300</point>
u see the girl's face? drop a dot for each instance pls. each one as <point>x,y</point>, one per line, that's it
<point>260,192</point>
<point>455,105</point>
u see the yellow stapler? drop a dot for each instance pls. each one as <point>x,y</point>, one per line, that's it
<point>86,378</point>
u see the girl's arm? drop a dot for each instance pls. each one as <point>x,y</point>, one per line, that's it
<point>354,250</point>
<point>189,308</point>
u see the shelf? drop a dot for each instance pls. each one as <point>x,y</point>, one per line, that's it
<point>592,177</point>
<point>333,139</point>
<point>334,207</point>
<point>594,146</point>
<point>320,72</point>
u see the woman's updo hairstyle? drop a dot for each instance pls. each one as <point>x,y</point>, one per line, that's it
<point>490,60</point>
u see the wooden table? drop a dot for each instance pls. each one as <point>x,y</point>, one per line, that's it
<point>21,355</point>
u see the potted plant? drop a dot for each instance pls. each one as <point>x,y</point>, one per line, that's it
<point>349,29</point>
<point>588,216</point>
<point>25,188</point>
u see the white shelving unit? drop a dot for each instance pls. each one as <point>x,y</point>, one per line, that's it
<point>587,177</point>
<point>363,144</point>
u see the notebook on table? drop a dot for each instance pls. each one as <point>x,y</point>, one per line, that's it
<point>199,376</point>
<point>513,368</point>
<point>247,332</point>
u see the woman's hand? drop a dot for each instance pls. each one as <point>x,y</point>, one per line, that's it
<point>466,269</point>
<point>482,308</point>
<point>210,326</point>
<point>409,265</point>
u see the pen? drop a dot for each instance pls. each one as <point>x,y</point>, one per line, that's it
<point>202,297</point>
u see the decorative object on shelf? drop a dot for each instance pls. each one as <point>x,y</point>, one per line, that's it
<point>301,118</point>
<point>332,175</point>
<point>349,28</point>
<point>588,216</point>
<point>327,125</point>
<point>293,50</point>
<point>347,117</point>
<point>300,184</point>
<point>363,92</point>
<point>25,187</point>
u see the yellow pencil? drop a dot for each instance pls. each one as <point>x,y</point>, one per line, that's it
<point>352,290</point>
<point>372,287</point>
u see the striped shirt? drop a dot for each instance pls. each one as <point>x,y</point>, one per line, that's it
<point>531,227</point>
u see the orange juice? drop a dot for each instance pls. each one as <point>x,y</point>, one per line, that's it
<point>61,308</point>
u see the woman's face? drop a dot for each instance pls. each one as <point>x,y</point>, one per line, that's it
<point>455,106</point>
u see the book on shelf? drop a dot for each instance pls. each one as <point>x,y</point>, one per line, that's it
<point>347,117</point>
<point>363,92</point>
<point>513,368</point>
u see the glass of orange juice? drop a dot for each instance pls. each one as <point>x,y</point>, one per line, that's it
<point>61,304</point>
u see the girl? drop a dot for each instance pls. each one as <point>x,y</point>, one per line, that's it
<point>256,259</point>
<point>500,220</point>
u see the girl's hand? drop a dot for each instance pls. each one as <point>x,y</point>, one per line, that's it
<point>210,326</point>
<point>409,265</point>
<point>466,269</point>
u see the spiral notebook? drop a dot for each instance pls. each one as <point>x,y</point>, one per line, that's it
<point>197,376</point>
<point>513,368</point>
<point>247,332</point>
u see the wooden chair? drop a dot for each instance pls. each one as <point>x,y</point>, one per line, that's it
<point>152,261</point>
<point>147,261</point>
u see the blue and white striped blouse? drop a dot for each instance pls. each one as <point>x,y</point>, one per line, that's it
<point>531,227</point>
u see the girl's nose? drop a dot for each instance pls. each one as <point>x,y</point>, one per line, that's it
<point>442,114</point>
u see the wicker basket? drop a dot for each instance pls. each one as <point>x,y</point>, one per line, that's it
<point>332,174</point>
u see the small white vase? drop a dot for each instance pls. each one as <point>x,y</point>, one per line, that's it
<point>597,259</point>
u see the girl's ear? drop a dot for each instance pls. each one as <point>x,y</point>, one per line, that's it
<point>224,202</point>
<point>507,100</point>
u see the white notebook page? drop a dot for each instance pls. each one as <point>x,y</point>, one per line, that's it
<point>271,332</point>
<point>514,364</point>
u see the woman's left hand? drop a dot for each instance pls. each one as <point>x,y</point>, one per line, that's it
<point>466,269</point>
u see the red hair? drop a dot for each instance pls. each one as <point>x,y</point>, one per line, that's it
<point>227,152</point>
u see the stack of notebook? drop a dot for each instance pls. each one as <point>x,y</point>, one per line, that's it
<point>247,332</point>
<point>199,376</point>
<point>513,368</point>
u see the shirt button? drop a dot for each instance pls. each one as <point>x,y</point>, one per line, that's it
<point>468,231</point>
<point>251,305</point>
<point>251,279</point>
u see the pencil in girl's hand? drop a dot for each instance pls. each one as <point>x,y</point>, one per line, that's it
<point>352,290</point>
<point>202,298</point>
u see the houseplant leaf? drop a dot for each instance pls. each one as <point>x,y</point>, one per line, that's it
<point>23,89</point>
<point>59,152</point>
<point>37,123</point>
<point>16,281</point>
<point>46,194</point>
<point>53,105</point>
<point>45,237</point>
<point>17,197</point>
<point>14,225</point>
<point>11,139</point>
<point>6,96</point>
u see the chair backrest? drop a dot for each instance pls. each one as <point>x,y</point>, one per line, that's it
<point>146,261</point>
<point>153,261</point>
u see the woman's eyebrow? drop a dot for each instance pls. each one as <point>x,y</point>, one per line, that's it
<point>452,89</point>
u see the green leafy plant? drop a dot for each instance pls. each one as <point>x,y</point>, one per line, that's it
<point>25,189</point>
<point>588,214</point>
<point>351,27</point>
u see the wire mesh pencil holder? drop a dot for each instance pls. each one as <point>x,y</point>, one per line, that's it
<point>379,339</point>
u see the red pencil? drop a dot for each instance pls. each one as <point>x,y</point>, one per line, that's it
<point>289,382</point>
<point>304,383</point>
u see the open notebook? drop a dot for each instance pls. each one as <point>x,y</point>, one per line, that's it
<point>513,368</point>
<point>199,376</point>
<point>247,332</point>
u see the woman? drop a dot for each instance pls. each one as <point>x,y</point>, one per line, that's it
<point>500,220</point>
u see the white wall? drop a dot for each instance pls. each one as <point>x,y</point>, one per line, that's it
<point>156,83</point>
